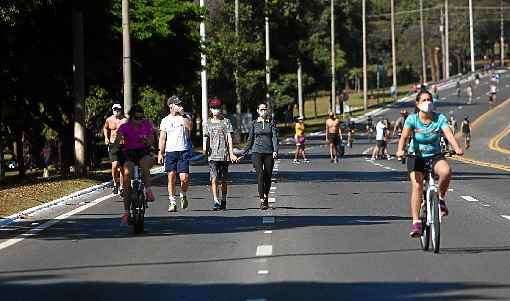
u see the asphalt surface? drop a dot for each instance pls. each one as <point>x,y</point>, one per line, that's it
<point>334,232</point>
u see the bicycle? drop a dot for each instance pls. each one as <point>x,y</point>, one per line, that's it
<point>138,202</point>
<point>429,211</point>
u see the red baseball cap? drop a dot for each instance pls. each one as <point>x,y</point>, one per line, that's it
<point>214,102</point>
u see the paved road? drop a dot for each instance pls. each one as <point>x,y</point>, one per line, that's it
<point>335,232</point>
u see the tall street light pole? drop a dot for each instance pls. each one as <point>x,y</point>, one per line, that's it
<point>203,75</point>
<point>333,80</point>
<point>393,47</point>
<point>365,84</point>
<point>471,38</point>
<point>268,57</point>
<point>422,38</point>
<point>502,38</point>
<point>236,76</point>
<point>79,92</point>
<point>300,88</point>
<point>126,50</point>
<point>446,41</point>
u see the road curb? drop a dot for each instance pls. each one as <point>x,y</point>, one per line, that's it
<point>58,202</point>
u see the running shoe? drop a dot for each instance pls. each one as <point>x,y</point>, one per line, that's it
<point>121,193</point>
<point>264,205</point>
<point>115,190</point>
<point>307,161</point>
<point>184,202</point>
<point>172,207</point>
<point>443,208</point>
<point>336,160</point>
<point>416,230</point>
<point>295,161</point>
<point>223,205</point>
<point>216,206</point>
<point>149,195</point>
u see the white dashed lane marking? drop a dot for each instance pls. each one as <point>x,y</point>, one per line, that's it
<point>469,198</point>
<point>268,232</point>
<point>271,200</point>
<point>506,216</point>
<point>264,250</point>
<point>263,272</point>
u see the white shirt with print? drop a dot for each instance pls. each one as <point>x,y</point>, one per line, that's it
<point>176,133</point>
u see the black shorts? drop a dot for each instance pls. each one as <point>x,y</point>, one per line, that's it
<point>218,170</point>
<point>381,143</point>
<point>115,152</point>
<point>418,163</point>
<point>333,138</point>
<point>135,155</point>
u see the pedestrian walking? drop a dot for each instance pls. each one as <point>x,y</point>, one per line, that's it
<point>218,132</point>
<point>380,132</point>
<point>469,92</point>
<point>175,150</point>
<point>465,127</point>
<point>299,137</point>
<point>115,150</point>
<point>333,136</point>
<point>263,142</point>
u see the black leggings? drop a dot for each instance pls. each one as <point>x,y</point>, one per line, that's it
<point>263,164</point>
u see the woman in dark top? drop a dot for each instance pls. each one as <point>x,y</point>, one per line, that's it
<point>263,142</point>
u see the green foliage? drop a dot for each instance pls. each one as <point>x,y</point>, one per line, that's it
<point>153,103</point>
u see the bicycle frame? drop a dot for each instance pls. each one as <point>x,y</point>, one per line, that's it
<point>139,203</point>
<point>430,186</point>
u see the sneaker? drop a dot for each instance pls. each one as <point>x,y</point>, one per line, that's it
<point>184,202</point>
<point>121,193</point>
<point>443,208</point>
<point>389,158</point>
<point>172,207</point>
<point>372,159</point>
<point>115,190</point>
<point>307,161</point>
<point>216,206</point>
<point>416,230</point>
<point>295,161</point>
<point>336,160</point>
<point>264,205</point>
<point>124,219</point>
<point>149,196</point>
<point>223,205</point>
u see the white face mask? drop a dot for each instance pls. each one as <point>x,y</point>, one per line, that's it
<point>426,107</point>
<point>215,112</point>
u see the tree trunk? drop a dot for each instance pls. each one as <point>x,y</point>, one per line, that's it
<point>79,93</point>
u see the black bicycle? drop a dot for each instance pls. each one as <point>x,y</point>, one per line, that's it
<point>138,201</point>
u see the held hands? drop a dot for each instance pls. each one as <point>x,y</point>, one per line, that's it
<point>238,159</point>
<point>233,158</point>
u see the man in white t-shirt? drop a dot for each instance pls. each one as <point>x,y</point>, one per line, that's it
<point>380,129</point>
<point>175,150</point>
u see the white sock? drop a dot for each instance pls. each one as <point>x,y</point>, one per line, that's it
<point>171,199</point>
<point>182,194</point>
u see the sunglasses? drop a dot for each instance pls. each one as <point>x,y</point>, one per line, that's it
<point>262,109</point>
<point>117,110</point>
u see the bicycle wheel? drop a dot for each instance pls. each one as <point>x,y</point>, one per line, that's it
<point>435,226</point>
<point>425,236</point>
<point>138,213</point>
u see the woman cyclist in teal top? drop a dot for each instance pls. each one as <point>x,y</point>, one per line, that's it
<point>424,129</point>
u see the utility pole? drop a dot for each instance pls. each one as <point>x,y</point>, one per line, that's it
<point>502,38</point>
<point>268,57</point>
<point>422,35</point>
<point>126,60</point>
<point>300,88</point>
<point>393,47</point>
<point>446,41</point>
<point>333,80</point>
<point>237,135</point>
<point>203,76</point>
<point>471,38</point>
<point>78,92</point>
<point>443,52</point>
<point>365,84</point>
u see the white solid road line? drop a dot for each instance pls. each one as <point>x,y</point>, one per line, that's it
<point>52,222</point>
<point>268,232</point>
<point>506,216</point>
<point>264,250</point>
<point>469,198</point>
<point>268,220</point>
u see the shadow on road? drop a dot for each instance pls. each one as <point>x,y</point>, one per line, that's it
<point>55,287</point>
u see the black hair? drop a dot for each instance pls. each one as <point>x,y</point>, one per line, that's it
<point>135,109</point>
